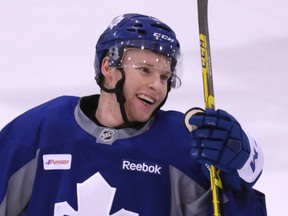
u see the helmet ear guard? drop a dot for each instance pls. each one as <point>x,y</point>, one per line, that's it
<point>114,55</point>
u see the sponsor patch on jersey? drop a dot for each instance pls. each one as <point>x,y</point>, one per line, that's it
<point>57,161</point>
<point>140,166</point>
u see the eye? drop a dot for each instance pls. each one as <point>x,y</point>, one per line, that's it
<point>145,70</point>
<point>165,76</point>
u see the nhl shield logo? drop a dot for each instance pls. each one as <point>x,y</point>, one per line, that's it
<point>107,135</point>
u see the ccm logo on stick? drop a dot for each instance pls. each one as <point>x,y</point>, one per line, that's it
<point>141,167</point>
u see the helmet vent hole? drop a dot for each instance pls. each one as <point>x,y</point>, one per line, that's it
<point>139,31</point>
<point>161,27</point>
<point>143,32</point>
<point>137,25</point>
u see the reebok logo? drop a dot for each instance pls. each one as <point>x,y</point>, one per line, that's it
<point>57,161</point>
<point>141,167</point>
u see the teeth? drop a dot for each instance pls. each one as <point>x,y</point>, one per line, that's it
<point>146,98</point>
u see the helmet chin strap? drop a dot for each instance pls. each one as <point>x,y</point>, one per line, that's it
<point>118,90</point>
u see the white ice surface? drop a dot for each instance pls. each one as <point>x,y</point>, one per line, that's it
<point>47,50</point>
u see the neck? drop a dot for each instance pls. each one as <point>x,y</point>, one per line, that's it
<point>108,112</point>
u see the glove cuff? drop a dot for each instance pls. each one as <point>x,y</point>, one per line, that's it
<point>253,166</point>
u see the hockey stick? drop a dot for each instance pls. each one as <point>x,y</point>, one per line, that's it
<point>215,181</point>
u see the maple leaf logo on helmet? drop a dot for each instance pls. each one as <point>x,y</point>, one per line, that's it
<point>115,21</point>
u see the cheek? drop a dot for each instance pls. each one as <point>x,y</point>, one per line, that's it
<point>132,81</point>
<point>129,88</point>
<point>164,92</point>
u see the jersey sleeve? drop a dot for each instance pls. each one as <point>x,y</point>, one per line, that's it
<point>245,202</point>
<point>191,193</point>
<point>18,161</point>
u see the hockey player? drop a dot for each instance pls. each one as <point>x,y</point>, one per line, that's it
<point>118,153</point>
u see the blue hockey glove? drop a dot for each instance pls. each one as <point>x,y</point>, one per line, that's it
<point>217,139</point>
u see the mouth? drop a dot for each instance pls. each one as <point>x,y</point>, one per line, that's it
<point>146,99</point>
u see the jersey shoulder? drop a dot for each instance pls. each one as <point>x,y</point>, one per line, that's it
<point>170,120</point>
<point>169,128</point>
<point>27,125</point>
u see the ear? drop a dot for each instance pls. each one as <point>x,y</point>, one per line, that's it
<point>109,74</point>
<point>105,69</point>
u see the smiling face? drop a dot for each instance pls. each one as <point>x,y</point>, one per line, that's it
<point>147,74</point>
<point>146,84</point>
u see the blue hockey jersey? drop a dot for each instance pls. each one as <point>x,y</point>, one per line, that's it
<point>55,161</point>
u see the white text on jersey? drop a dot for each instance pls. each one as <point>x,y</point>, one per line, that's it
<point>141,167</point>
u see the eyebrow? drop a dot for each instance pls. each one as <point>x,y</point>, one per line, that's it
<point>143,63</point>
<point>146,64</point>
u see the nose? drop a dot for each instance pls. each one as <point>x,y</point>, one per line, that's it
<point>155,82</point>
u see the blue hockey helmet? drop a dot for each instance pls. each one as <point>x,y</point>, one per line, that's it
<point>137,31</point>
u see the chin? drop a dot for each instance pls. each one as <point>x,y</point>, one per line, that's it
<point>142,118</point>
